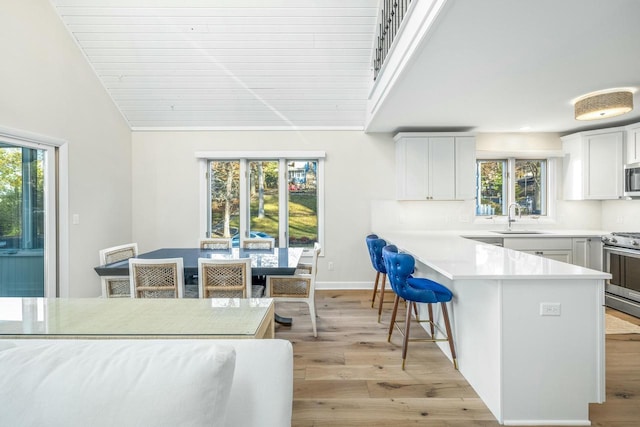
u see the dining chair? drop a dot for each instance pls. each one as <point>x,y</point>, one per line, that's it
<point>221,278</point>
<point>414,290</point>
<point>116,286</point>
<point>156,278</point>
<point>215,243</point>
<point>299,287</point>
<point>258,243</point>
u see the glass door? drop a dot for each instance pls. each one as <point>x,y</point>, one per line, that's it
<point>23,229</point>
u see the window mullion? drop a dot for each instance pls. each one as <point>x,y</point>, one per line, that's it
<point>283,201</point>
<point>244,198</point>
<point>511,180</point>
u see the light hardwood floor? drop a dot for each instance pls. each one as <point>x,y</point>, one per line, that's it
<point>350,376</point>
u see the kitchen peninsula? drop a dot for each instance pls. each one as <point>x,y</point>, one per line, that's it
<point>529,331</point>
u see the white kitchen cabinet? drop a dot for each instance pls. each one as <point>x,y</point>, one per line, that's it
<point>435,166</point>
<point>587,252</point>
<point>556,248</point>
<point>632,144</point>
<point>593,164</point>
<point>557,255</point>
<point>465,167</point>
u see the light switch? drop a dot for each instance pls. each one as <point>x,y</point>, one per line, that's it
<point>75,219</point>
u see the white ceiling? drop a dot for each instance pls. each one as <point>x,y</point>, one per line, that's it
<point>486,66</point>
<point>229,63</point>
<point>505,65</point>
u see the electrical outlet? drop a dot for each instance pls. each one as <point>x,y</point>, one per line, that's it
<point>330,266</point>
<point>549,309</point>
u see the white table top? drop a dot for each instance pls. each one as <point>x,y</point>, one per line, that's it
<point>458,258</point>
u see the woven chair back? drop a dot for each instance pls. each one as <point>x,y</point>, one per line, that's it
<point>118,253</point>
<point>224,278</point>
<point>215,243</point>
<point>156,278</point>
<point>258,243</point>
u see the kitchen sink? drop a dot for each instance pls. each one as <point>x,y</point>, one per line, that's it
<point>518,232</point>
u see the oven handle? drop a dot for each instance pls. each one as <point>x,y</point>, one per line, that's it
<point>621,251</point>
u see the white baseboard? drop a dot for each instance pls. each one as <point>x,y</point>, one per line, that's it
<point>344,285</point>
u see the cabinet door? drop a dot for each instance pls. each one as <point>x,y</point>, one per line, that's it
<point>581,252</point>
<point>633,146</point>
<point>595,253</point>
<point>604,166</point>
<point>557,255</point>
<point>442,176</point>
<point>465,168</point>
<point>411,168</point>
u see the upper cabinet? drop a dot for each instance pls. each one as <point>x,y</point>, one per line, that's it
<point>592,164</point>
<point>632,143</point>
<point>435,166</point>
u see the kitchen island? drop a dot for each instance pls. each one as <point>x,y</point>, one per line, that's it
<point>529,331</point>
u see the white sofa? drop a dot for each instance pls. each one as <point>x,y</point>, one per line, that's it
<point>239,383</point>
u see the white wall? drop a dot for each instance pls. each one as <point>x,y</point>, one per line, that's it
<point>47,87</point>
<point>621,215</point>
<point>358,169</point>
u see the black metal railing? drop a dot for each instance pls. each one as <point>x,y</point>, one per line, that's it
<point>389,20</point>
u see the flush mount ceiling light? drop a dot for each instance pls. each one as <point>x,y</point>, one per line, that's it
<point>602,105</point>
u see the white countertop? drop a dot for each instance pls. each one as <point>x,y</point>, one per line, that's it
<point>458,258</point>
<point>522,232</point>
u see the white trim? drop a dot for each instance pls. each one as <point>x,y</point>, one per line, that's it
<point>344,285</point>
<point>321,222</point>
<point>283,200</point>
<point>261,155</point>
<point>63,221</point>
<point>241,128</point>
<point>525,155</point>
<point>24,136</point>
<point>205,197</point>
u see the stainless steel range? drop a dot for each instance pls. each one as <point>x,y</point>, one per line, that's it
<point>622,261</point>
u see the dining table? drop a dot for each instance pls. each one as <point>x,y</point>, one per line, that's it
<point>264,262</point>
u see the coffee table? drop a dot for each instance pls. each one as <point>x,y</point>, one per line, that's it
<point>141,318</point>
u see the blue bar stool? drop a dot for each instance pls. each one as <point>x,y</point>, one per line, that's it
<point>375,245</point>
<point>399,267</point>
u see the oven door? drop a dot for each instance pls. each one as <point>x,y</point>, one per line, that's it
<point>624,267</point>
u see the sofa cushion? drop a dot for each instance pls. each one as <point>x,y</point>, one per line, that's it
<point>116,383</point>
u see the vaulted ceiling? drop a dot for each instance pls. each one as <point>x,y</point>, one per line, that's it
<point>484,66</point>
<point>229,63</point>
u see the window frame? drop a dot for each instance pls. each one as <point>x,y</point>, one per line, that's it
<point>245,157</point>
<point>510,164</point>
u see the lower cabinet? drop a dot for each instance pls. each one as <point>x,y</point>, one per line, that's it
<point>583,251</point>
<point>559,249</point>
<point>558,255</point>
<point>587,252</point>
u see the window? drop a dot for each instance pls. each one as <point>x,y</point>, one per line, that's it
<point>266,197</point>
<point>502,182</point>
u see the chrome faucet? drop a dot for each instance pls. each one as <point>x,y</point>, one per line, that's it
<point>512,220</point>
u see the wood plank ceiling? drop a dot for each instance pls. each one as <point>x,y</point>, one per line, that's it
<point>228,64</point>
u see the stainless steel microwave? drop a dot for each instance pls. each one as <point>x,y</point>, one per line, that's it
<point>632,180</point>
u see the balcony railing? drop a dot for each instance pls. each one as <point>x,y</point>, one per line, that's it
<point>389,20</point>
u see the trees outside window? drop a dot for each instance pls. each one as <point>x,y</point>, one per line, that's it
<point>504,181</point>
<point>276,198</point>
